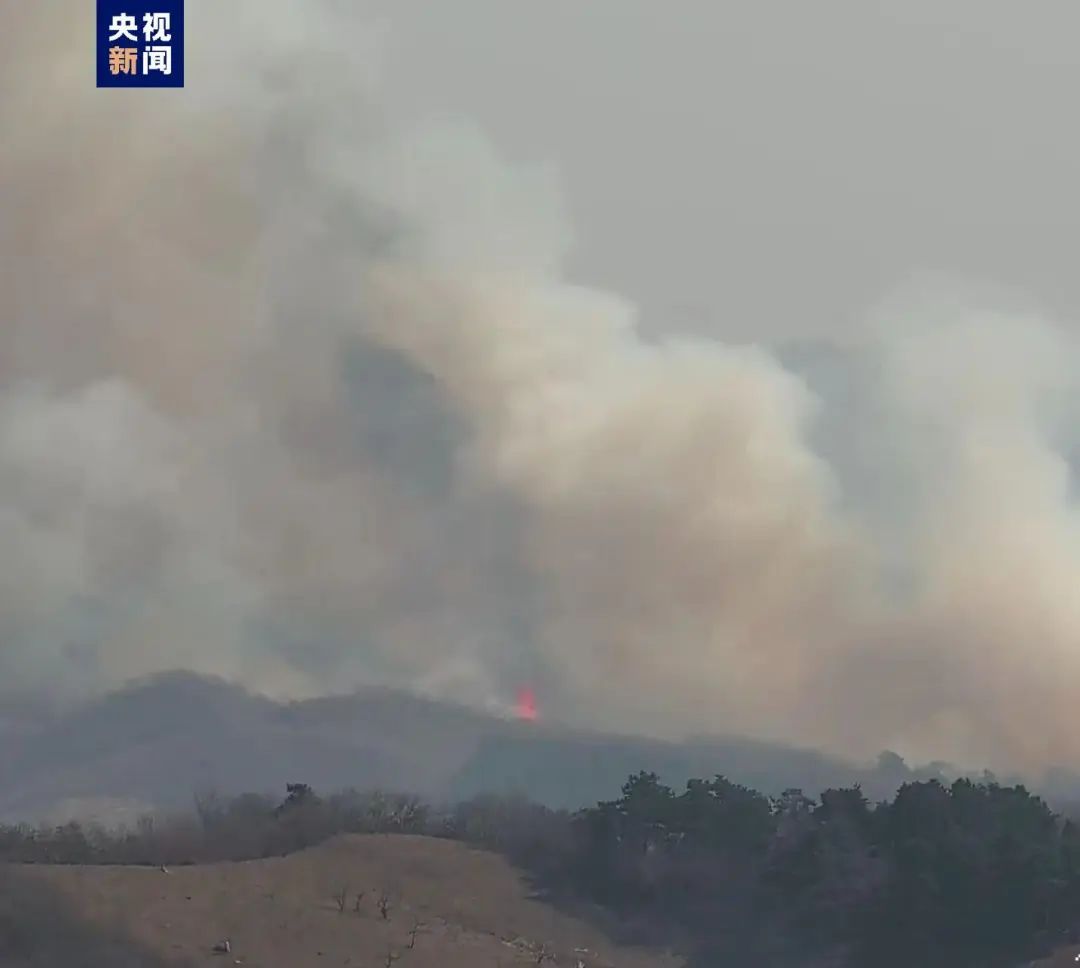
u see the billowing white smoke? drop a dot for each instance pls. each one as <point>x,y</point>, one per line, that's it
<point>210,302</point>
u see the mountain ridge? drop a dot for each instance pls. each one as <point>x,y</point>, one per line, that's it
<point>159,741</point>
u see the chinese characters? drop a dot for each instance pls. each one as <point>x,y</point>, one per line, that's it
<point>140,43</point>
<point>156,35</point>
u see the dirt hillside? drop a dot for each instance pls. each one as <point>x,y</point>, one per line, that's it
<point>468,908</point>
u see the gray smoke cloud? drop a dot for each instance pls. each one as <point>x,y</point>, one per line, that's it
<point>294,395</point>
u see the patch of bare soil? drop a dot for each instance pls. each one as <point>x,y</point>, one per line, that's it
<point>361,901</point>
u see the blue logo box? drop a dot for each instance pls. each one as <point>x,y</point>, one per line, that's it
<point>140,43</point>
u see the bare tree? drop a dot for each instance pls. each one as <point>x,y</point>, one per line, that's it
<point>384,905</point>
<point>413,931</point>
<point>341,897</point>
<point>209,807</point>
<point>359,898</point>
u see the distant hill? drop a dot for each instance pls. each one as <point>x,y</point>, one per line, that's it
<point>158,742</point>
<point>468,907</point>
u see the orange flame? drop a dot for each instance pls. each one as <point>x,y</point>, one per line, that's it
<point>526,705</point>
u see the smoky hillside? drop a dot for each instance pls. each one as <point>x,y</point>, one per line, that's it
<point>364,363</point>
<point>153,746</point>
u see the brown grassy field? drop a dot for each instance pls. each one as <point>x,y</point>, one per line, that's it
<point>469,909</point>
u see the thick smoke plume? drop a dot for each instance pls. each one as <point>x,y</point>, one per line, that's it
<point>291,395</point>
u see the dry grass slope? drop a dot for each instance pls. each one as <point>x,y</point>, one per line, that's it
<point>446,906</point>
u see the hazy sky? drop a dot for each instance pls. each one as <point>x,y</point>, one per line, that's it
<point>774,167</point>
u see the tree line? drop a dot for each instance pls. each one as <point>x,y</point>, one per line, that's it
<point>961,874</point>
